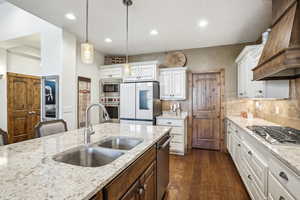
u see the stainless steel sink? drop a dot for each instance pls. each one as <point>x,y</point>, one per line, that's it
<point>88,156</point>
<point>120,142</point>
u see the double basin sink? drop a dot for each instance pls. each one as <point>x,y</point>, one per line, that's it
<point>99,153</point>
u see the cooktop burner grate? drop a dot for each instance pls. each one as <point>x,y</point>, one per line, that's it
<point>277,134</point>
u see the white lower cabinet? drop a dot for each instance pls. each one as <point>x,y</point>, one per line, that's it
<point>265,177</point>
<point>178,133</point>
<point>277,191</point>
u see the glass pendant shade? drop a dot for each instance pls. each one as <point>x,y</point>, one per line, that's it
<point>127,69</point>
<point>87,53</point>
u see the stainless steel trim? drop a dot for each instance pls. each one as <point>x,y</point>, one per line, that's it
<point>165,144</point>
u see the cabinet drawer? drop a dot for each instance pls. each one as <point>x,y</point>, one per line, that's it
<point>176,146</point>
<point>285,176</point>
<point>177,131</point>
<point>277,191</point>
<point>257,166</point>
<point>170,122</point>
<point>177,138</point>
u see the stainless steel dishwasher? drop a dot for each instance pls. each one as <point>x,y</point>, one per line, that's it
<point>163,164</point>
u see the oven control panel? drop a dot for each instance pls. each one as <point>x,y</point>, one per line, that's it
<point>107,101</point>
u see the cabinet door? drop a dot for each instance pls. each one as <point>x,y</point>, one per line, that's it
<point>241,79</point>
<point>147,72</point>
<point>148,183</point>
<point>165,85</point>
<point>179,83</point>
<point>133,193</point>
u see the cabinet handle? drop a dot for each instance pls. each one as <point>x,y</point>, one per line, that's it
<point>169,122</point>
<point>260,91</point>
<point>141,191</point>
<point>281,198</point>
<point>250,177</point>
<point>250,153</point>
<point>241,94</point>
<point>284,176</point>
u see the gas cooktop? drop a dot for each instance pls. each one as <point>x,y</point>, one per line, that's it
<point>277,134</point>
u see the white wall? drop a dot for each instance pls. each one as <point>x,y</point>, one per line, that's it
<point>21,64</point>
<point>92,72</point>
<point>68,80</point>
<point>3,99</point>
<point>15,23</point>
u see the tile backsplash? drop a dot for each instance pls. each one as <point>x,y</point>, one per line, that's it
<point>284,112</point>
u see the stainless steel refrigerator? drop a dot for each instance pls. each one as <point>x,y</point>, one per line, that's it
<point>139,103</point>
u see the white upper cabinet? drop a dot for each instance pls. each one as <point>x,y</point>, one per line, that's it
<point>173,83</point>
<point>247,88</point>
<point>111,71</point>
<point>143,71</point>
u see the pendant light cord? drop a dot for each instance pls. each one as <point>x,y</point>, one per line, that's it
<point>87,22</point>
<point>127,25</point>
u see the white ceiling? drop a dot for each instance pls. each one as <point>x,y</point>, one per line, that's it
<point>230,22</point>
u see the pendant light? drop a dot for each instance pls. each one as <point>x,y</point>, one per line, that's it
<point>127,67</point>
<point>87,49</point>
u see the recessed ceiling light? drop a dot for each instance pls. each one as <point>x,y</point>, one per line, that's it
<point>203,23</point>
<point>154,32</point>
<point>108,40</point>
<point>70,16</point>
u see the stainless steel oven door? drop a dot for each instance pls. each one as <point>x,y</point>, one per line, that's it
<point>113,111</point>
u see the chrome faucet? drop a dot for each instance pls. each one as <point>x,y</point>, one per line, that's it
<point>89,130</point>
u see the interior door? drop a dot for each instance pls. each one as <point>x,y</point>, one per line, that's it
<point>206,111</point>
<point>144,101</point>
<point>24,101</point>
<point>34,104</point>
<point>84,99</point>
<point>127,98</point>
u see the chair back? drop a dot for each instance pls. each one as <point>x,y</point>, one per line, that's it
<point>3,138</point>
<point>50,127</point>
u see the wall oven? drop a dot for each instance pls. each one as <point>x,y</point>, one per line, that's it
<point>112,105</point>
<point>110,87</point>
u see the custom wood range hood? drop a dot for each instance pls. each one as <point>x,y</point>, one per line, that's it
<point>281,55</point>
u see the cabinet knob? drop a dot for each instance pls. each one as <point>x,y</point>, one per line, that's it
<point>260,91</point>
<point>281,198</point>
<point>283,176</point>
<point>141,191</point>
<point>241,94</point>
<point>250,153</point>
<point>239,145</point>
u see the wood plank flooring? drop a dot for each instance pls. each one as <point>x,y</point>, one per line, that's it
<point>205,175</point>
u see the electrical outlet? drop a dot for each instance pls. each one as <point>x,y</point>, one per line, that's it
<point>277,110</point>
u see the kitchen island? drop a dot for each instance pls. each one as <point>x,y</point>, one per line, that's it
<point>28,171</point>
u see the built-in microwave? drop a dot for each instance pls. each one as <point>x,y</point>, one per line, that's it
<point>111,87</point>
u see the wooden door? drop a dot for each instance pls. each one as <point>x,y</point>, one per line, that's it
<point>206,105</point>
<point>24,98</point>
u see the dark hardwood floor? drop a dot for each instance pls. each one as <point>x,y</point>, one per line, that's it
<point>205,175</point>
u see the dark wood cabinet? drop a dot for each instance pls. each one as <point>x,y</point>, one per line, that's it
<point>116,189</point>
<point>133,193</point>
<point>148,183</point>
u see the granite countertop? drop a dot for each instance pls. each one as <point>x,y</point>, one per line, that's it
<point>288,154</point>
<point>28,171</point>
<point>171,115</point>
